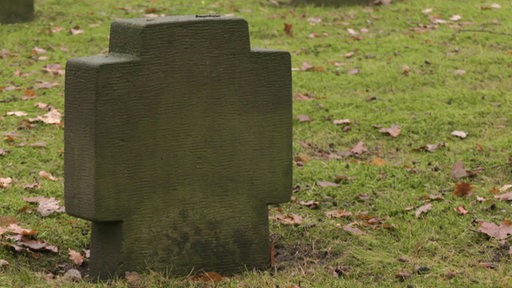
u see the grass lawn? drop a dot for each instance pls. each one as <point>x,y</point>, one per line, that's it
<point>384,194</point>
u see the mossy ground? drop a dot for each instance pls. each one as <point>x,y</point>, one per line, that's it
<point>430,79</point>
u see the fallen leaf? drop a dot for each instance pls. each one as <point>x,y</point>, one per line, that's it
<point>3,263</point>
<point>463,189</point>
<point>342,122</point>
<point>52,117</point>
<point>325,184</point>
<point>359,148</point>
<point>16,113</point>
<point>303,118</point>
<point>480,199</point>
<point>306,66</point>
<point>311,204</point>
<point>402,275</point>
<point>461,210</point>
<point>3,152</point>
<point>488,265</point>
<point>76,257</point>
<point>44,106</point>
<point>314,20</point>
<point>393,131</point>
<point>47,206</point>
<point>379,162</point>
<point>352,32</point>
<point>340,213</point>
<point>76,30</point>
<point>37,245</point>
<point>207,277</point>
<point>459,72</point>
<point>504,197</point>
<point>505,187</point>
<point>73,275</point>
<point>304,96</point>
<point>32,186</point>
<point>48,176</point>
<point>5,182</point>
<point>455,18</point>
<point>289,219</point>
<point>288,29</point>
<point>460,134</point>
<point>132,278</point>
<point>503,231</point>
<point>353,230</point>
<point>16,229</point>
<point>431,147</point>
<point>46,85</point>
<point>349,55</point>
<point>423,209</point>
<point>54,69</point>
<point>7,220</point>
<point>458,170</point>
<point>382,2</point>
<point>353,71</point>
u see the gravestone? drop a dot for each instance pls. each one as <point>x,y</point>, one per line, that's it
<point>175,142</point>
<point>12,11</point>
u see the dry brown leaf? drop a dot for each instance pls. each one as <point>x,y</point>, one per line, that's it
<point>303,118</point>
<point>353,230</point>
<point>3,263</point>
<point>288,29</point>
<point>393,131</point>
<point>16,229</point>
<point>423,209</point>
<point>461,210</point>
<point>32,186</point>
<point>431,147</point>
<point>3,152</point>
<point>52,117</point>
<point>505,187</point>
<point>340,213</point>
<point>48,176</point>
<point>5,182</point>
<point>304,96</point>
<point>342,122</point>
<point>16,113</point>
<point>311,204</point>
<point>378,162</point>
<point>327,184</point>
<point>503,231</point>
<point>504,197</point>
<point>289,219</point>
<point>132,278</point>
<point>460,134</point>
<point>72,275</point>
<point>76,30</point>
<point>76,257</point>
<point>353,71</point>
<point>458,170</point>
<point>359,148</point>
<point>463,189</point>
<point>47,206</point>
<point>46,85</point>
<point>207,277</point>
<point>37,245</point>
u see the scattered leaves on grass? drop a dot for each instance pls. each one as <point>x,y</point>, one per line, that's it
<point>423,209</point>
<point>325,184</point>
<point>207,277</point>
<point>22,239</point>
<point>393,131</point>
<point>461,210</point>
<point>289,219</point>
<point>353,230</point>
<point>76,257</point>
<point>340,213</point>
<point>500,232</point>
<point>47,206</point>
<point>459,134</point>
<point>463,189</point>
<point>5,182</point>
<point>359,148</point>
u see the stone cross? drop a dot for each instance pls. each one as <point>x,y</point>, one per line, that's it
<point>175,142</point>
<point>12,11</point>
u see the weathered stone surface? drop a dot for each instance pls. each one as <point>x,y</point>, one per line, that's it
<point>12,11</point>
<point>175,142</point>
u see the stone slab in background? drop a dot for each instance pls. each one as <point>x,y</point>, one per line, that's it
<point>175,142</point>
<point>14,11</point>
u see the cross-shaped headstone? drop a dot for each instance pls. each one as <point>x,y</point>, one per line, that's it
<point>12,11</point>
<point>175,142</point>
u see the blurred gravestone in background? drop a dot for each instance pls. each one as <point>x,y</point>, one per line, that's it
<point>175,142</point>
<point>13,11</point>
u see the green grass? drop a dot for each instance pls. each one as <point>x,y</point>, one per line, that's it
<point>428,103</point>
